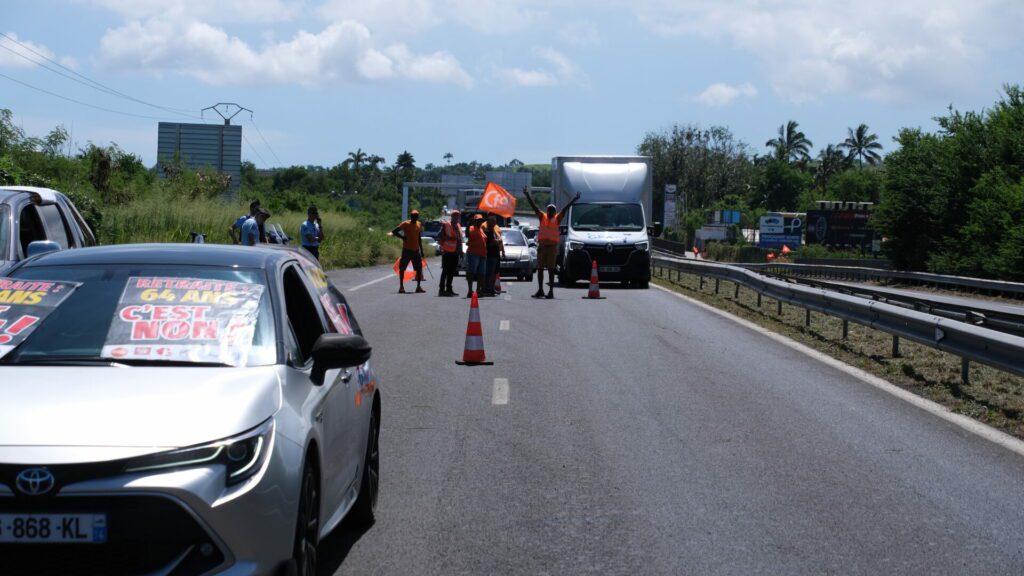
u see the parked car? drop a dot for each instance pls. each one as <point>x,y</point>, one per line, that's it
<point>38,215</point>
<point>182,408</point>
<point>519,261</point>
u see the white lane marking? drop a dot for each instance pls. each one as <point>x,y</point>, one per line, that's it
<point>370,283</point>
<point>507,297</point>
<point>969,424</point>
<point>503,325</point>
<point>499,396</point>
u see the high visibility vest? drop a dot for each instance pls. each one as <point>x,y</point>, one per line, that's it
<point>452,237</point>
<point>548,233</point>
<point>477,241</point>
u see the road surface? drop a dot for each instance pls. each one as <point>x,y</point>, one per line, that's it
<point>645,435</point>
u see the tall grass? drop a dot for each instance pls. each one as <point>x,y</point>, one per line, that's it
<point>162,217</point>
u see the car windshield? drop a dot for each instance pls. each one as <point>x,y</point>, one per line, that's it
<point>79,329</point>
<point>530,233</point>
<point>513,238</point>
<point>431,228</point>
<point>5,232</point>
<point>619,217</point>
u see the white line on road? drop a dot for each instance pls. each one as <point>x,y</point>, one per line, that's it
<point>499,396</point>
<point>969,424</point>
<point>503,325</point>
<point>370,283</point>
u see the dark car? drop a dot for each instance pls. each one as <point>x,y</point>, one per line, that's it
<point>29,214</point>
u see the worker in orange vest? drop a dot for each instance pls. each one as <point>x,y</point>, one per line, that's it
<point>410,232</point>
<point>547,242</point>
<point>476,254</point>
<point>450,239</point>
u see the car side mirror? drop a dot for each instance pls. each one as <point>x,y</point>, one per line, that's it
<point>334,351</point>
<point>41,247</point>
<point>531,243</point>
<point>655,229</point>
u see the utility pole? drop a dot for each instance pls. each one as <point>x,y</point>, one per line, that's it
<point>223,109</point>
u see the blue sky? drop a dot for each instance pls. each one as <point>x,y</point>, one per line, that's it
<point>492,80</point>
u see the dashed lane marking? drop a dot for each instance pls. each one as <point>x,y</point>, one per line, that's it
<point>370,283</point>
<point>969,424</point>
<point>499,396</point>
<point>503,325</point>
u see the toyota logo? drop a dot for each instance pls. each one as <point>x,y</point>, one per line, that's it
<point>35,481</point>
<point>609,248</point>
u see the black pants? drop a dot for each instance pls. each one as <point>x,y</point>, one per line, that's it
<point>314,250</point>
<point>417,264</point>
<point>449,268</point>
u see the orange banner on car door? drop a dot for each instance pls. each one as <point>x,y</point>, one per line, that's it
<point>496,199</point>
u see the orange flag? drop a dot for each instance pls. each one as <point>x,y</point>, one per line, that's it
<point>785,249</point>
<point>496,199</point>
<point>771,256</point>
<point>407,275</point>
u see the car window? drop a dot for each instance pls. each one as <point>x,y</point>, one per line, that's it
<point>513,238</point>
<point>30,228</point>
<point>333,303</point>
<point>56,228</point>
<point>5,232</point>
<point>86,236</point>
<point>302,313</point>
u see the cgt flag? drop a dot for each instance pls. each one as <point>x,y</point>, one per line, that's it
<point>496,199</point>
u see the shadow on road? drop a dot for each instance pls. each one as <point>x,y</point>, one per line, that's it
<point>335,548</point>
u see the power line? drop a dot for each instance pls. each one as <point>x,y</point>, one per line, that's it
<point>253,122</point>
<point>80,103</point>
<point>86,81</point>
<point>253,148</point>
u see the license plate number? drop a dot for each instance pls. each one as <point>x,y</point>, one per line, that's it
<point>53,528</point>
<point>609,268</point>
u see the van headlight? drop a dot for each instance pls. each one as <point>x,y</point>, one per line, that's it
<point>575,245</point>
<point>242,455</point>
<point>642,246</point>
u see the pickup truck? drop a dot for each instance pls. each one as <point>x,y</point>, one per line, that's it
<point>35,220</point>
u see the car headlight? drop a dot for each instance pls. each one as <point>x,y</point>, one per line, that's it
<point>575,245</point>
<point>642,246</point>
<point>242,455</point>
<point>524,257</point>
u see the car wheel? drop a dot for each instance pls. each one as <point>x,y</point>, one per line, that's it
<point>529,277</point>
<point>645,284</point>
<point>307,528</point>
<point>366,506</point>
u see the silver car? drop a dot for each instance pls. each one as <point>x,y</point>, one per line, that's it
<point>180,409</point>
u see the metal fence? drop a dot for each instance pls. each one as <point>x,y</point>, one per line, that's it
<point>968,341</point>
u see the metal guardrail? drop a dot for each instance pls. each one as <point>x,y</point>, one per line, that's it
<point>970,342</point>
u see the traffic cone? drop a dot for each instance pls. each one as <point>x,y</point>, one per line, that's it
<point>595,286</point>
<point>497,282</point>
<point>474,354</point>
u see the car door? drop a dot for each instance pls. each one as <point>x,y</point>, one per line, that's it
<point>305,319</point>
<point>30,227</point>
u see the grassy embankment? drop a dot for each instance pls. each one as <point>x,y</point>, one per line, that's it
<point>349,241</point>
<point>993,397</point>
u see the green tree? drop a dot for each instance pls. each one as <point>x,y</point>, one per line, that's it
<point>778,186</point>
<point>861,145</point>
<point>791,145</point>
<point>831,163</point>
<point>448,158</point>
<point>356,159</point>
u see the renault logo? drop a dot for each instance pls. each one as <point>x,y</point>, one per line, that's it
<point>609,248</point>
<point>35,481</point>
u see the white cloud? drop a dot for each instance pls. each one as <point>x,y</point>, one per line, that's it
<point>558,70</point>
<point>388,17</point>
<point>878,49</point>
<point>343,52</point>
<point>582,33</point>
<point>19,53</point>
<point>499,17</point>
<point>721,94</point>
<point>220,11</point>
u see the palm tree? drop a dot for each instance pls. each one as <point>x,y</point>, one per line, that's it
<point>791,144</point>
<point>374,161</point>
<point>831,161</point>
<point>861,145</point>
<point>448,157</point>
<point>405,161</point>
<point>356,158</point>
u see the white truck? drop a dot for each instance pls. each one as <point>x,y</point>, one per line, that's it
<point>611,222</point>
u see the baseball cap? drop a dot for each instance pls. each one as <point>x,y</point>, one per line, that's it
<point>416,212</point>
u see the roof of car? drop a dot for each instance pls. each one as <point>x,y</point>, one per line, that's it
<point>167,254</point>
<point>44,194</point>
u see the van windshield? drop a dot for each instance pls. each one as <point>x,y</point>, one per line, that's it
<point>608,217</point>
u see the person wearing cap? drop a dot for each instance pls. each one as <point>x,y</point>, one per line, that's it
<point>450,239</point>
<point>476,254</point>
<point>547,242</point>
<point>236,228</point>
<point>410,232</point>
<point>311,233</point>
<point>251,230</point>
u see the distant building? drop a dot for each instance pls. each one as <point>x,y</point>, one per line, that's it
<point>216,146</point>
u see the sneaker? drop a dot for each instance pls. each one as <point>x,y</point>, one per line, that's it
<point>551,295</point>
<point>421,291</point>
<point>452,292</point>
<point>401,290</point>
<point>538,294</point>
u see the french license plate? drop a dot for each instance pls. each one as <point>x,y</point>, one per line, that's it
<point>53,528</point>
<point>609,268</point>
<point>507,264</point>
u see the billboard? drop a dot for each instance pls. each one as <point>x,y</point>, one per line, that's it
<point>216,146</point>
<point>840,228</point>
<point>669,219</point>
<point>778,229</point>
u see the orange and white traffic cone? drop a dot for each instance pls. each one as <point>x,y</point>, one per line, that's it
<point>474,354</point>
<point>497,283</point>
<point>595,285</point>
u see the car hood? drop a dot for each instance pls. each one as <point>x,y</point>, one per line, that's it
<point>599,237</point>
<point>516,252</point>
<point>117,411</point>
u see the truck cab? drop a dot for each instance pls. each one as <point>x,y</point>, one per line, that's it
<point>611,222</point>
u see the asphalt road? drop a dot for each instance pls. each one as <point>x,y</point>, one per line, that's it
<point>644,435</point>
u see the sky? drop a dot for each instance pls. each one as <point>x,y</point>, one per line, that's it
<point>493,80</point>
